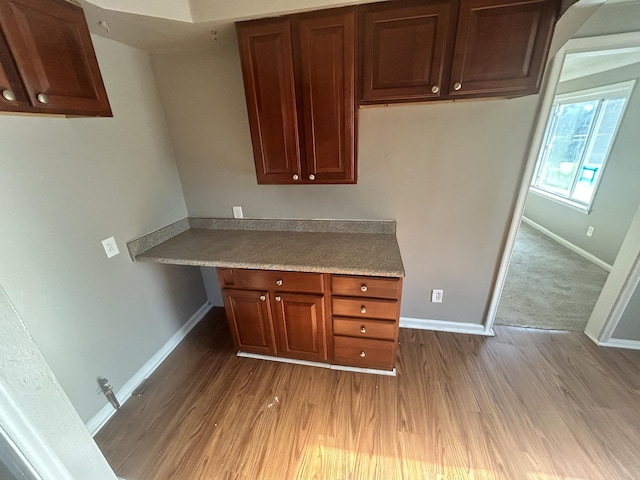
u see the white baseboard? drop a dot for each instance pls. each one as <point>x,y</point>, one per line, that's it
<point>621,343</point>
<point>102,417</point>
<point>568,244</point>
<point>444,326</point>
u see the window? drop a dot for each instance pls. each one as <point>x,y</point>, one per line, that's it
<point>577,140</point>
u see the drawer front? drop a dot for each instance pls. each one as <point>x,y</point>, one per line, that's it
<point>279,281</point>
<point>361,352</point>
<point>376,287</point>
<point>350,327</point>
<point>365,308</point>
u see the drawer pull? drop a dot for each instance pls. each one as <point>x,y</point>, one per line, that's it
<point>364,288</point>
<point>362,354</point>
<point>278,299</point>
<point>9,95</point>
<point>363,329</point>
<point>263,297</point>
<point>279,282</point>
<point>363,309</point>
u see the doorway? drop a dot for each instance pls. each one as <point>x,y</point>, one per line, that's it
<point>583,70</point>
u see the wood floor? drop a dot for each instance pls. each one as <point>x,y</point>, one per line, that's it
<point>524,405</point>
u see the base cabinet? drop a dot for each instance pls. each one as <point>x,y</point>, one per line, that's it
<point>339,319</point>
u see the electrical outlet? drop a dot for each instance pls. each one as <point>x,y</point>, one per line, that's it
<point>436,296</point>
<point>237,212</point>
<point>110,247</point>
<point>590,231</point>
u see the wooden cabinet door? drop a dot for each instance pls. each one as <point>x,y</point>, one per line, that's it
<point>52,49</point>
<point>13,97</point>
<point>326,61</point>
<point>249,318</point>
<point>267,67</point>
<point>406,50</point>
<point>501,47</point>
<point>299,324</point>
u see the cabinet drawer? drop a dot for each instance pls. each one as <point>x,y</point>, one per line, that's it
<point>365,308</point>
<point>377,287</point>
<point>279,281</point>
<point>350,327</point>
<point>363,352</point>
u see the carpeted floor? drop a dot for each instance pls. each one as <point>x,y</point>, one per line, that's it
<point>548,285</point>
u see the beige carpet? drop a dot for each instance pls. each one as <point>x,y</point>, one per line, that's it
<point>548,285</point>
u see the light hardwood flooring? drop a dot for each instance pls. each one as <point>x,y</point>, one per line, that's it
<point>524,405</point>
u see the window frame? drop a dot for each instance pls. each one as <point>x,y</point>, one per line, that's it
<point>616,90</point>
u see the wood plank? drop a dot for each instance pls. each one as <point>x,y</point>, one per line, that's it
<point>526,404</point>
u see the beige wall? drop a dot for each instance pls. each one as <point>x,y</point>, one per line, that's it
<point>448,173</point>
<point>618,195</point>
<point>66,184</point>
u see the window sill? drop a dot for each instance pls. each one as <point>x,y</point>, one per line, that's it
<point>562,201</point>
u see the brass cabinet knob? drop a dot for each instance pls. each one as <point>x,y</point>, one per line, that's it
<point>278,299</point>
<point>363,309</point>
<point>362,354</point>
<point>9,95</point>
<point>363,329</point>
<point>263,297</point>
<point>295,177</point>
<point>364,288</point>
<point>435,89</point>
<point>42,98</point>
<point>457,86</point>
<point>312,177</point>
<point>279,282</point>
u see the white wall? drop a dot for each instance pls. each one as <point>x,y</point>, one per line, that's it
<point>618,195</point>
<point>447,172</point>
<point>66,184</point>
<point>36,413</point>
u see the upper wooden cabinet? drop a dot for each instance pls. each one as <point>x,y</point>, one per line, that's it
<point>422,50</point>
<point>47,61</point>
<point>501,47</point>
<point>406,49</point>
<point>300,81</point>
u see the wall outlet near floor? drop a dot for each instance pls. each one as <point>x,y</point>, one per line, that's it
<point>237,212</point>
<point>110,247</point>
<point>436,296</point>
<point>590,231</point>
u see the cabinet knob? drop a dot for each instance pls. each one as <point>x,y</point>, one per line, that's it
<point>312,177</point>
<point>363,309</point>
<point>363,329</point>
<point>435,89</point>
<point>263,297</point>
<point>42,98</point>
<point>279,282</point>
<point>364,288</point>
<point>362,354</point>
<point>296,177</point>
<point>457,86</point>
<point>278,299</point>
<point>9,95</point>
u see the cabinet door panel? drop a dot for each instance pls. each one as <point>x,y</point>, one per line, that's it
<point>267,67</point>
<point>326,61</point>
<point>501,46</point>
<point>10,83</point>
<point>53,52</point>
<point>249,319</point>
<point>406,48</point>
<point>299,323</point>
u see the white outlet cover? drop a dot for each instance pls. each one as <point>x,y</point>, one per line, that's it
<point>237,212</point>
<point>110,247</point>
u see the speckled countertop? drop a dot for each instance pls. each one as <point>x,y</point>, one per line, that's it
<point>337,248</point>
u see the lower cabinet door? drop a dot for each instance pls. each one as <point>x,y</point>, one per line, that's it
<point>249,318</point>
<point>299,326</point>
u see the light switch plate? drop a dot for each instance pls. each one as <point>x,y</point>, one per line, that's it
<point>237,212</point>
<point>110,247</point>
